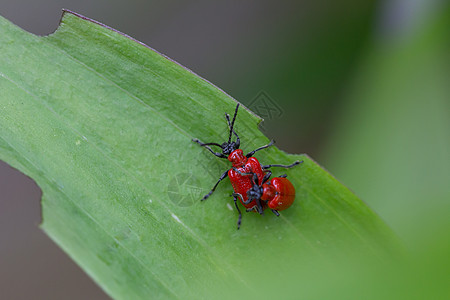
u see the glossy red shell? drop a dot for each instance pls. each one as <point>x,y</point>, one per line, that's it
<point>268,192</point>
<point>237,158</point>
<point>284,193</point>
<point>242,183</point>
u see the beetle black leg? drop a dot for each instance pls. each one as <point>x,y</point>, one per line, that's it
<point>206,145</point>
<point>241,173</point>
<point>260,208</point>
<point>238,195</point>
<point>275,212</point>
<point>255,208</point>
<point>251,209</point>
<point>283,176</point>
<point>225,174</point>
<point>235,195</point>
<point>242,198</point>
<point>248,201</point>
<point>283,166</point>
<point>266,177</point>
<point>250,154</point>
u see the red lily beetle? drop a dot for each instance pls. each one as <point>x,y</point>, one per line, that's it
<point>244,168</point>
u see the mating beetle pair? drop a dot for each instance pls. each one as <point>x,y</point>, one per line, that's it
<point>250,179</point>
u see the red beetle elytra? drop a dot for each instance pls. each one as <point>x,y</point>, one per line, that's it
<point>242,183</point>
<point>246,173</point>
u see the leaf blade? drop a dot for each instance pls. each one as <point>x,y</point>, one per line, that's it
<point>105,125</point>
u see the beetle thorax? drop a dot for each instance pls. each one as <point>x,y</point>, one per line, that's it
<point>237,158</point>
<point>268,192</point>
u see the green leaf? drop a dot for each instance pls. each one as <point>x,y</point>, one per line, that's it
<point>104,125</point>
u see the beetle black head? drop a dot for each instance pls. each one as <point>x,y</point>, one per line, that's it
<point>227,147</point>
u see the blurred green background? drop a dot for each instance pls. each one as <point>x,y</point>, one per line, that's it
<point>361,86</point>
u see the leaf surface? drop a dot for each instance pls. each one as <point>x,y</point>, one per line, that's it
<point>104,125</point>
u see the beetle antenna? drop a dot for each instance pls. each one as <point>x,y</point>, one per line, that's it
<point>232,123</point>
